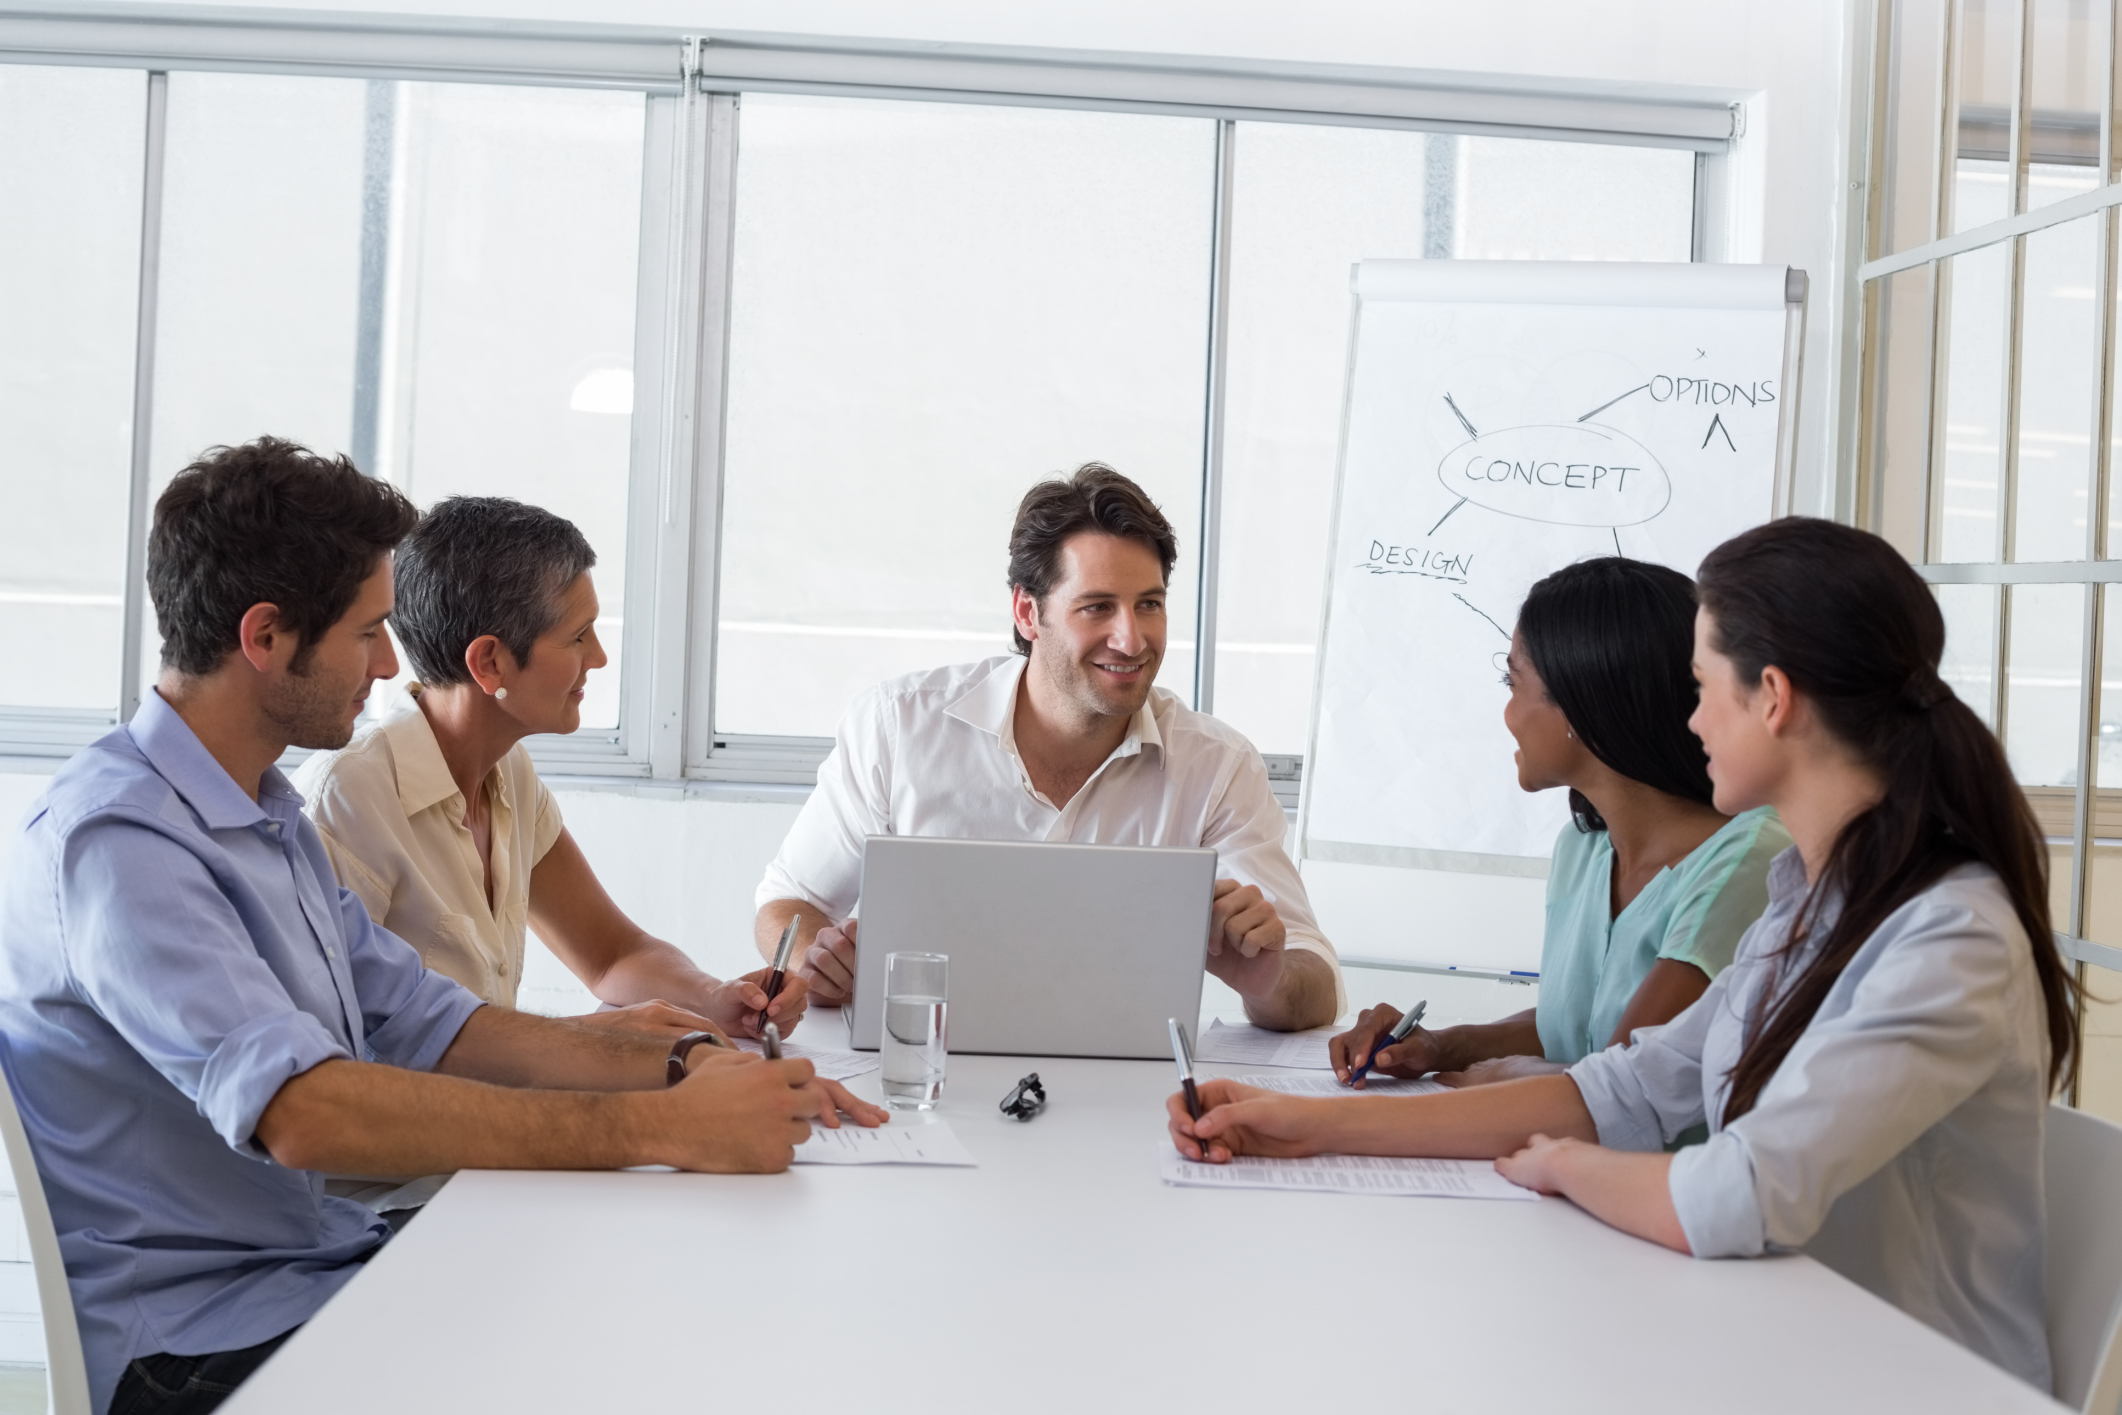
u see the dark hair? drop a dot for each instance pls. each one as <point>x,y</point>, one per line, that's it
<point>1093,498</point>
<point>1614,641</point>
<point>1845,618</point>
<point>482,565</point>
<point>270,522</point>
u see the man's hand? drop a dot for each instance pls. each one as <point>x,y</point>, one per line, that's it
<point>838,1100</point>
<point>1245,939</point>
<point>736,1004</point>
<point>735,1113</point>
<point>828,965</point>
<point>654,1019</point>
<point>1243,1120</point>
<point>1415,1055</point>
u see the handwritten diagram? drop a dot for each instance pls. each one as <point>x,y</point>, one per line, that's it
<point>1487,445</point>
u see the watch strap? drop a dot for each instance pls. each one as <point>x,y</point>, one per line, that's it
<point>674,1066</point>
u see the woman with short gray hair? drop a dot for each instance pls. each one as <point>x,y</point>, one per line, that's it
<point>435,816</point>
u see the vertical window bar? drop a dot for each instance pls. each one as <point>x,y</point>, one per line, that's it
<point>713,166</point>
<point>2020,148</point>
<point>1211,538</point>
<point>378,153</point>
<point>135,625</point>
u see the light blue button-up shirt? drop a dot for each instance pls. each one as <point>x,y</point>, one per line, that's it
<point>1899,1142</point>
<point>171,952</point>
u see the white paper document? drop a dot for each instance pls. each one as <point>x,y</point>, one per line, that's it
<point>1329,1086</point>
<point>1348,1174</point>
<point>933,1143</point>
<point>832,1065</point>
<point>1246,1045</point>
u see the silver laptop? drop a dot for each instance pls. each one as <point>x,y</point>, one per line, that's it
<point>1055,950</point>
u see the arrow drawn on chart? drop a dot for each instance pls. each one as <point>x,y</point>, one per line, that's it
<point>1446,516</point>
<point>1716,425</point>
<point>1611,401</point>
<point>1462,417</point>
<point>1491,623</point>
<point>1617,538</point>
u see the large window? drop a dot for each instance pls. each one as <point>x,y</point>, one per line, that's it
<point>787,331</point>
<point>1987,429</point>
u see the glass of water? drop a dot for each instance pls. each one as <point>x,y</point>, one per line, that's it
<point>916,990</point>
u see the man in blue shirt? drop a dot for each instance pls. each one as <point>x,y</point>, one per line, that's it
<point>199,1022</point>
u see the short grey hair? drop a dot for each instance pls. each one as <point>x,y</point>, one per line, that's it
<point>480,565</point>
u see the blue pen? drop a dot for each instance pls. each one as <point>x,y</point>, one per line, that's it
<point>1396,1036</point>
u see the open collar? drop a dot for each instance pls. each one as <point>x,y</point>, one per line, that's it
<point>181,759</point>
<point>416,756</point>
<point>990,705</point>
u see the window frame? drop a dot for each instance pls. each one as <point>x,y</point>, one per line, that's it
<point>1866,488</point>
<point>692,84</point>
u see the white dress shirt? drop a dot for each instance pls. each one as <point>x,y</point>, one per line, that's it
<point>1900,1141</point>
<point>392,819</point>
<point>935,753</point>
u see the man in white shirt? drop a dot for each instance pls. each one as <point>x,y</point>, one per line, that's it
<point>1070,742</point>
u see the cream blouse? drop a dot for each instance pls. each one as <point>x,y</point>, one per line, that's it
<point>392,819</point>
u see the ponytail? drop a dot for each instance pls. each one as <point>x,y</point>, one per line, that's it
<point>1860,635</point>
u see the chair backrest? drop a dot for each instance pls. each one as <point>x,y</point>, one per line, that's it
<point>2084,1164</point>
<point>65,1374</point>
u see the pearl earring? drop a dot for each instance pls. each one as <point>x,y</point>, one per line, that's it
<point>500,692</point>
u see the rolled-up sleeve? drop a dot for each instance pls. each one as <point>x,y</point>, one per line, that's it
<point>1926,1027</point>
<point>820,863</point>
<point>1247,828</point>
<point>159,952</point>
<point>1644,1092</point>
<point>1712,1188</point>
<point>410,1012</point>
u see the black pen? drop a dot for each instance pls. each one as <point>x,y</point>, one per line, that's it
<point>1393,1038</point>
<point>779,975</point>
<point>1184,1056</point>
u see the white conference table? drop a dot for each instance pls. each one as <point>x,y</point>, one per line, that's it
<point>1061,1275</point>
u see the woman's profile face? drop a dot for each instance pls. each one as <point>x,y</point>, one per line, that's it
<point>1742,753</point>
<point>545,695</point>
<point>1546,753</point>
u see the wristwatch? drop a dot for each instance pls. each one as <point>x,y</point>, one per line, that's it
<point>674,1068</point>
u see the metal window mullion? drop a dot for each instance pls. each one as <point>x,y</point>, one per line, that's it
<point>1211,539</point>
<point>2021,108</point>
<point>2008,473</point>
<point>1942,273</point>
<point>711,264</point>
<point>131,638</point>
<point>652,705</point>
<point>2081,873</point>
<point>1948,157</point>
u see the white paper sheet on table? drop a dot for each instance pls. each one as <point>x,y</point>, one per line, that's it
<point>832,1065</point>
<point>1247,1045</point>
<point>1329,1086</point>
<point>933,1143</point>
<point>1347,1174</point>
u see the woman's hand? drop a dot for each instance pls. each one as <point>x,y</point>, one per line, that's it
<point>1245,1120</point>
<point>1418,1054</point>
<point>1544,1164</point>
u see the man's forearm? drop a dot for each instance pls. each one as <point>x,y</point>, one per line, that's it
<point>506,1048</point>
<point>773,917</point>
<point>352,1117</point>
<point>1303,996</point>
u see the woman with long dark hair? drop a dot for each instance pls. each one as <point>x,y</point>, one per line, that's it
<point>1876,1064</point>
<point>1650,886</point>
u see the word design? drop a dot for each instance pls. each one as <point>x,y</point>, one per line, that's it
<point>1414,560</point>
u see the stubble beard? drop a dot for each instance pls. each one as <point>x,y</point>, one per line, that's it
<point>311,711</point>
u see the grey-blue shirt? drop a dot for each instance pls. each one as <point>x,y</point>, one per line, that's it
<point>1900,1141</point>
<point>171,953</point>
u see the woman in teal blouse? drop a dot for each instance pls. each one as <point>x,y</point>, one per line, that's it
<point>1650,887</point>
